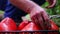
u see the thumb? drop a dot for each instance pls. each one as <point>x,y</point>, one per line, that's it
<point>51,3</point>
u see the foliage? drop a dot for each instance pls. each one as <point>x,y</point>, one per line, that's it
<point>1,12</point>
<point>53,11</point>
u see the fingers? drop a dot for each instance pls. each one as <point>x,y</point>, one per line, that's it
<point>37,19</point>
<point>45,16</point>
<point>40,18</point>
<point>34,19</point>
<point>51,3</point>
<point>46,19</point>
<point>40,21</point>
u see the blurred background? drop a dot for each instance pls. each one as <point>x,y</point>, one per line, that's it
<point>52,12</point>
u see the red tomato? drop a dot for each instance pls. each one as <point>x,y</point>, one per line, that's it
<point>31,27</point>
<point>3,27</point>
<point>22,25</point>
<point>53,27</point>
<point>9,24</point>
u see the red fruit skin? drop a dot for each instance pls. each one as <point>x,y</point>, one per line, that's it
<point>53,27</point>
<point>3,27</point>
<point>10,24</point>
<point>31,27</point>
<point>22,25</point>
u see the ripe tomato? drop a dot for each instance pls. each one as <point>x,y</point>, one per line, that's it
<point>31,27</point>
<point>53,27</point>
<point>8,24</point>
<point>22,25</point>
<point>3,27</point>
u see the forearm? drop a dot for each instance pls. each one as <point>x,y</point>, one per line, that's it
<point>26,5</point>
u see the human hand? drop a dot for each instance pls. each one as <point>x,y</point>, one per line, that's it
<point>39,16</point>
<point>51,3</point>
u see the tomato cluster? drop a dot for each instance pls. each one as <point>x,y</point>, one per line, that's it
<point>8,24</point>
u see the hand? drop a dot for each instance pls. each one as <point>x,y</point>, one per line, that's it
<point>39,16</point>
<point>51,3</point>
